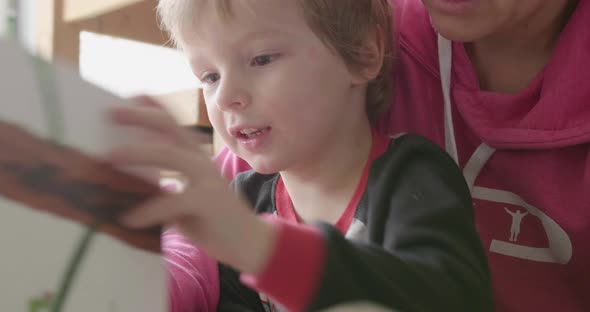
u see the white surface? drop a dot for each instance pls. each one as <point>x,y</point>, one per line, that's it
<point>79,9</point>
<point>2,17</point>
<point>34,246</point>
<point>27,23</point>
<point>128,68</point>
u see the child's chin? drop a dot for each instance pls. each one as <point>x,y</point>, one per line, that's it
<point>264,167</point>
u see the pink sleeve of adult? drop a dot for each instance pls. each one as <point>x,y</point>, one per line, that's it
<point>230,164</point>
<point>193,277</point>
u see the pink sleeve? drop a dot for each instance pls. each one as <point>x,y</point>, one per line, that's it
<point>230,164</point>
<point>193,278</point>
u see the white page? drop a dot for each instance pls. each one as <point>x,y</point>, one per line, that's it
<point>36,246</point>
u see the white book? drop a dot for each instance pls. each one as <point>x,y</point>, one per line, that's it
<point>54,194</point>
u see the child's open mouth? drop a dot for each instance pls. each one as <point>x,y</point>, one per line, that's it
<point>253,139</point>
<point>250,133</point>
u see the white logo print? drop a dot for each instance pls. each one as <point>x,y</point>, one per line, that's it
<point>560,246</point>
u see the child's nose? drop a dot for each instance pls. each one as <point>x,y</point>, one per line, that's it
<point>232,96</point>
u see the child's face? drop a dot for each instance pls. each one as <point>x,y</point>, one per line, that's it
<point>274,92</point>
<point>471,20</point>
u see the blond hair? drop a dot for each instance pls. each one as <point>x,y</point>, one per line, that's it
<point>343,25</point>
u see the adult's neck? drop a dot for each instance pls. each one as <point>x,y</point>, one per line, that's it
<point>507,60</point>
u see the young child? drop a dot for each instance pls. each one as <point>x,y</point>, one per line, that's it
<point>334,211</point>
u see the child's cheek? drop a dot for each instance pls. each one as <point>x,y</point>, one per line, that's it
<point>312,52</point>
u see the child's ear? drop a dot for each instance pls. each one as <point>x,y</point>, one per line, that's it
<point>373,54</point>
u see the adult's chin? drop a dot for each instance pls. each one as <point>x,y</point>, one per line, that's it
<point>461,24</point>
<point>458,30</point>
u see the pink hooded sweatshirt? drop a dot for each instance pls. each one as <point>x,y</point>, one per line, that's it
<point>526,158</point>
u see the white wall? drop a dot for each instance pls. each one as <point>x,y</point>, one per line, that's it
<point>26,19</point>
<point>27,26</point>
<point>128,68</point>
<point>3,4</point>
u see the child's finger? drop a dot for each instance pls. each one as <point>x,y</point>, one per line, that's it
<point>146,117</point>
<point>161,156</point>
<point>199,137</point>
<point>147,101</point>
<point>160,211</point>
<point>154,120</point>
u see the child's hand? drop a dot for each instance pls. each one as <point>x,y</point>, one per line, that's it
<point>206,211</point>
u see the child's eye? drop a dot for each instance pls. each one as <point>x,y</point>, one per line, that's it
<point>262,60</point>
<point>210,78</point>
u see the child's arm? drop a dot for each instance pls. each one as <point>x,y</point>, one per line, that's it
<point>421,251</point>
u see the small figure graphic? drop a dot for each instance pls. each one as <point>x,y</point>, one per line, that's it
<point>516,220</point>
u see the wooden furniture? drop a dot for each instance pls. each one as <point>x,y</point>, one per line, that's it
<point>61,21</point>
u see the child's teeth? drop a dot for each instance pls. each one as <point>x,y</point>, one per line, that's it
<point>250,133</point>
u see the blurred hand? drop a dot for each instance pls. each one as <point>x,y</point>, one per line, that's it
<point>206,211</point>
